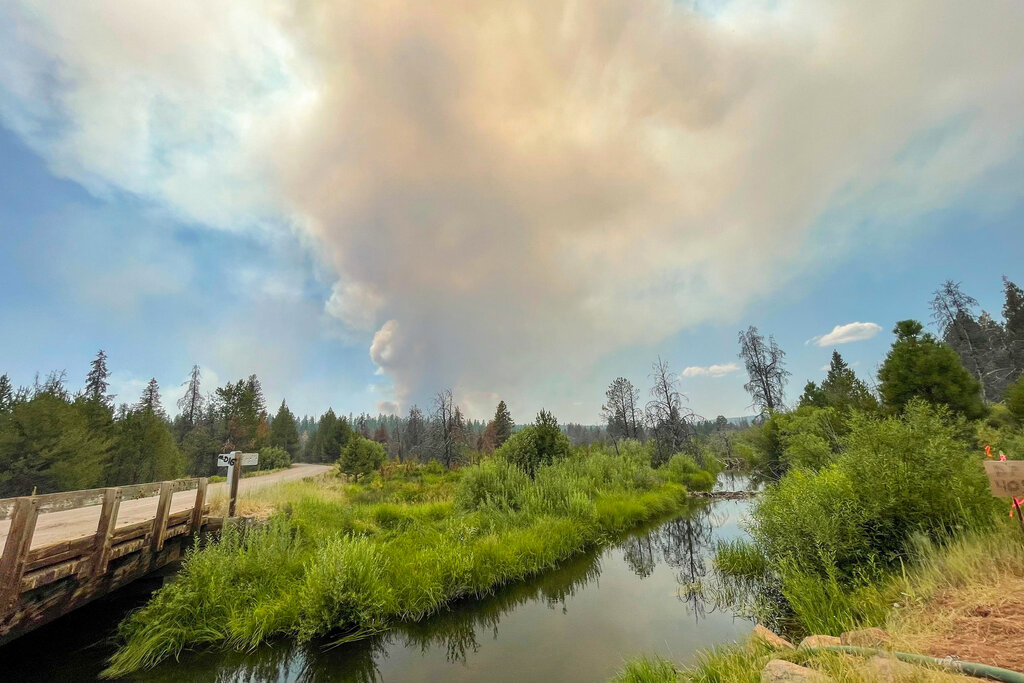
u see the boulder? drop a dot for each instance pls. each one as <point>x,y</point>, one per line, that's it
<point>781,671</point>
<point>866,637</point>
<point>773,639</point>
<point>819,641</point>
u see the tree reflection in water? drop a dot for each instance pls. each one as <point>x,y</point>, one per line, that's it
<point>683,543</point>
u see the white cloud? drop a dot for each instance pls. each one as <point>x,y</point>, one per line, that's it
<point>844,334</point>
<point>711,370</point>
<point>521,190</point>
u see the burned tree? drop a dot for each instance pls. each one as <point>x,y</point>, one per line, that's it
<point>670,424</point>
<point>447,428</point>
<point>764,361</point>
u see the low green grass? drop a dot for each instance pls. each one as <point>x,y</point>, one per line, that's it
<point>349,561</point>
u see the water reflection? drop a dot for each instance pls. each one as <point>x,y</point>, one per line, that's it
<point>598,608</point>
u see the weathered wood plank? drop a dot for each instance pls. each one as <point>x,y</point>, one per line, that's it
<point>70,500</point>
<point>163,507</point>
<point>105,530</point>
<point>197,508</point>
<point>19,540</point>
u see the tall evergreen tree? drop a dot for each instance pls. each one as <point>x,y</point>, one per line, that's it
<point>6,394</point>
<point>1013,324</point>
<point>150,402</point>
<point>842,390</point>
<point>283,431</point>
<point>919,366</point>
<point>620,411</point>
<point>97,382</point>
<point>503,424</point>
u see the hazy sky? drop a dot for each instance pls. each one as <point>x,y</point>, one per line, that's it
<point>365,202</point>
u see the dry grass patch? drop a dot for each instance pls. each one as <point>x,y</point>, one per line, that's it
<point>967,600</point>
<point>979,623</point>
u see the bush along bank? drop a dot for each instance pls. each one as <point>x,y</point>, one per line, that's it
<point>395,549</point>
<point>900,514</point>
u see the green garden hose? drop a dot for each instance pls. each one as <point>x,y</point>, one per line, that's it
<point>993,673</point>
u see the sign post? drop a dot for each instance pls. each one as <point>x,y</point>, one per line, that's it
<point>1006,480</point>
<point>234,461</point>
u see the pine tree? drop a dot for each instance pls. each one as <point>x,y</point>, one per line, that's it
<point>97,382</point>
<point>361,456</point>
<point>1013,324</point>
<point>842,390</point>
<point>381,435</point>
<point>6,394</point>
<point>919,366</point>
<point>414,435</point>
<point>283,431</point>
<point>149,402</point>
<point>503,424</point>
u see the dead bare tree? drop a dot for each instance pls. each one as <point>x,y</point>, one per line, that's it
<point>765,368</point>
<point>670,424</point>
<point>447,427</point>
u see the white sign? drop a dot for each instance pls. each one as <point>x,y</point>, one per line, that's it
<point>248,459</point>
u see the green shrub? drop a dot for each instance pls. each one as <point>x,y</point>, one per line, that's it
<point>1014,401</point>
<point>535,446</point>
<point>361,456</point>
<point>274,458</point>
<point>823,538</point>
<point>681,469</point>
<point>494,483</point>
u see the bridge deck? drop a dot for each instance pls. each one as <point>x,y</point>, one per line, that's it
<point>68,525</point>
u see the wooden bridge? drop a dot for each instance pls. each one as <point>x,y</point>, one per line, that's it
<point>62,550</point>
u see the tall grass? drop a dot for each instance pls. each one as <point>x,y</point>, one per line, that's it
<point>352,561</point>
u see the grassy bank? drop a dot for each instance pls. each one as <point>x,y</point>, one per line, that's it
<point>351,560</point>
<point>962,597</point>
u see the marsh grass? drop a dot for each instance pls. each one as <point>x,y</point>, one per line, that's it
<point>351,560</point>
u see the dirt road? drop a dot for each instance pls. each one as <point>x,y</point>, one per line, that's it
<point>71,524</point>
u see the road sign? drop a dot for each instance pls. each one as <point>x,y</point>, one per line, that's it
<point>1006,478</point>
<point>248,459</point>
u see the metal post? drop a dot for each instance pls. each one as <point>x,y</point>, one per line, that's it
<point>235,473</point>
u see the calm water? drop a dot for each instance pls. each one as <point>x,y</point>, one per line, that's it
<point>576,623</point>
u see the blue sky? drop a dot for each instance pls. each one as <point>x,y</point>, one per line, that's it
<point>321,206</point>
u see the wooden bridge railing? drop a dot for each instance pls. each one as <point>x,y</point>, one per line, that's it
<point>87,558</point>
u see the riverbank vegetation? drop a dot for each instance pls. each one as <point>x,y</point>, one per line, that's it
<point>877,506</point>
<point>347,560</point>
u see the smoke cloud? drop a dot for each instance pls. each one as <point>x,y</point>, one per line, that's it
<point>508,192</point>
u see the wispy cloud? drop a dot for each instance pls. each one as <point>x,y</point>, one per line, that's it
<point>710,370</point>
<point>844,334</point>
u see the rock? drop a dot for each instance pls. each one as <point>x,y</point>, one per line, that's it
<point>773,639</point>
<point>819,641</point>
<point>885,667</point>
<point>781,671</point>
<point>866,637</point>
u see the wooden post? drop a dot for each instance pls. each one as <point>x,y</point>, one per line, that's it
<point>197,510</point>
<point>105,529</point>
<point>19,542</point>
<point>236,473</point>
<point>163,511</point>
